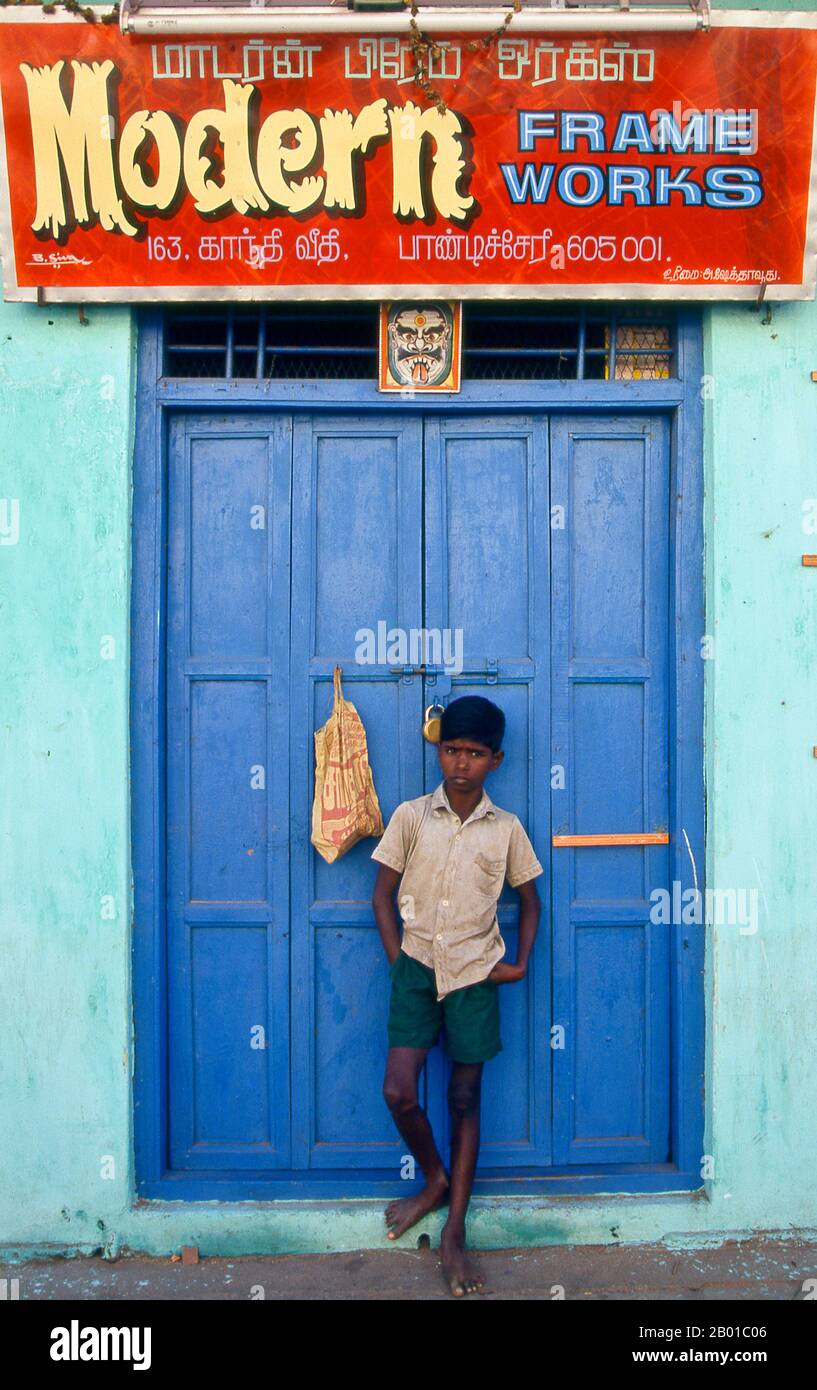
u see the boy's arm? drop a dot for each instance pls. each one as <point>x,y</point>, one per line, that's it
<point>523,868</point>
<point>503,972</point>
<point>385,912</point>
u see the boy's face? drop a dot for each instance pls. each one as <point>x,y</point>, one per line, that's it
<point>465,763</point>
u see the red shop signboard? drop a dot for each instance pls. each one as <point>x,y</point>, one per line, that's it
<point>649,165</point>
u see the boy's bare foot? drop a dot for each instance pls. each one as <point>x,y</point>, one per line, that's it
<point>461,1274</point>
<point>404,1212</point>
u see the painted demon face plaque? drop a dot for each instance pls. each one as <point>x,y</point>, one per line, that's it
<point>420,346</point>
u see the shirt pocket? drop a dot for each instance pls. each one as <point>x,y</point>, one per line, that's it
<point>489,876</point>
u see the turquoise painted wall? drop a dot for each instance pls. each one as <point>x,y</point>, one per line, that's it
<point>66,1179</point>
<point>65,422</point>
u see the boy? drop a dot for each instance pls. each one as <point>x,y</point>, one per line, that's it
<point>450,851</point>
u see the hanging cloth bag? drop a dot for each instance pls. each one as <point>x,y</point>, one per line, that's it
<point>345,808</point>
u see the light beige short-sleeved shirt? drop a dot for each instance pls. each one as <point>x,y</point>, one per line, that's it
<point>453,875</point>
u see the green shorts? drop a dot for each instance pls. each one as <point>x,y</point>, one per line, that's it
<point>471,1014</point>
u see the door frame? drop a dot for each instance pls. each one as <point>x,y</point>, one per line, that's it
<point>157,398</point>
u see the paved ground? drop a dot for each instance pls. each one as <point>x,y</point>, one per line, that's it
<point>761,1269</point>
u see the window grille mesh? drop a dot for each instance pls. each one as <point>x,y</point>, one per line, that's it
<point>643,352</point>
<point>501,342</point>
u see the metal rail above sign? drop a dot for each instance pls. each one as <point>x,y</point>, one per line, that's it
<point>241,18</point>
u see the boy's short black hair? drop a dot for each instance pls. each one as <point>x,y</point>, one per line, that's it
<point>471,716</point>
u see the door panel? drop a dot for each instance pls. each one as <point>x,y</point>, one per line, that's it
<point>228,879</point>
<point>357,541</point>
<point>487,543</point>
<point>610,623</point>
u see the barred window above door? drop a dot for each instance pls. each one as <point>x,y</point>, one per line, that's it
<point>502,341</point>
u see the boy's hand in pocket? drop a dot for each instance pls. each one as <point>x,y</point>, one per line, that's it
<point>504,973</point>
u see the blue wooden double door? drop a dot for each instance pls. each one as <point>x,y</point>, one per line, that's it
<point>532,550</point>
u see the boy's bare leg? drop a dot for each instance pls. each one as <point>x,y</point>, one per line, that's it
<point>464,1094</point>
<point>401,1095</point>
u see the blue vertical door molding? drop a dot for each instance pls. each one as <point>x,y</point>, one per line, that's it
<point>487,556</point>
<point>610,623</point>
<point>228,792</point>
<point>686,736</point>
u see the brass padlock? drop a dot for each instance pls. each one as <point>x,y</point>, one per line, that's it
<point>431,723</point>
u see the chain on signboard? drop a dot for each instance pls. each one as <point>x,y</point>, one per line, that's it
<point>424,50</point>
